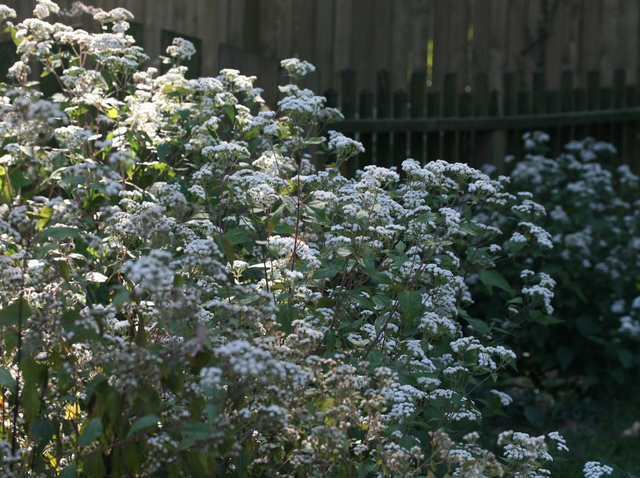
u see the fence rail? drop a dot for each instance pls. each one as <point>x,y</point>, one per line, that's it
<point>485,126</point>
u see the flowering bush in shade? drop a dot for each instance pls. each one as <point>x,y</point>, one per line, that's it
<point>186,292</point>
<point>594,221</point>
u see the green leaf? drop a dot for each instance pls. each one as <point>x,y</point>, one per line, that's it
<point>236,236</point>
<point>18,311</point>
<point>5,192</point>
<point>344,251</point>
<point>228,250</point>
<point>30,397</point>
<point>547,320</point>
<point>369,264</point>
<point>163,151</point>
<point>382,300</point>
<point>93,466</point>
<point>95,277</point>
<point>325,303</point>
<point>72,181</point>
<point>535,416</point>
<point>7,380</point>
<point>410,303</point>
<point>70,471</point>
<point>565,354</point>
<point>141,423</point>
<point>382,278</point>
<point>58,233</point>
<point>479,326</point>
<point>285,317</point>
<point>231,112</point>
<point>45,214</point>
<point>121,297</point>
<point>380,323</point>
<point>326,272</point>
<point>131,455</point>
<point>492,278</point>
<point>625,357</point>
<point>91,432</point>
<point>42,429</point>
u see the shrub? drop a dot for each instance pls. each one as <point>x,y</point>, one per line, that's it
<point>592,216</point>
<point>186,293</point>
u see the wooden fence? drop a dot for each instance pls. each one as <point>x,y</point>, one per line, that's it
<point>486,125</point>
<point>568,63</point>
<point>399,36</point>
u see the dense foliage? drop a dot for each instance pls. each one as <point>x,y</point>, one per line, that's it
<point>593,217</point>
<point>191,287</point>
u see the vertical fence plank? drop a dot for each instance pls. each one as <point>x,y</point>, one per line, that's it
<point>618,129</point>
<point>465,138</point>
<point>380,40</point>
<point>580,104</point>
<point>593,98</point>
<point>566,104</point>
<point>420,34</point>
<point>400,42</point>
<point>331,95</point>
<point>590,41</point>
<point>510,107</point>
<point>268,66</point>
<point>383,140</point>
<point>349,93</point>
<point>610,50</point>
<point>342,37</point>
<point>366,112</point>
<point>481,38</point>
<point>524,108</point>
<point>539,102</point>
<point>561,47</point>
<point>324,42</point>
<point>400,110</point>
<point>480,107</point>
<point>566,91</point>
<point>449,109</point>
<point>553,106</point>
<point>499,139</point>
<point>630,19</point>
<point>366,58</point>
<point>434,149</point>
<point>631,144</point>
<point>500,41</point>
<point>417,139</point>
<point>460,14</point>
<point>441,32</point>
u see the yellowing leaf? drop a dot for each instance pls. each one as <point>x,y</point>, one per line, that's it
<point>72,412</point>
<point>327,403</point>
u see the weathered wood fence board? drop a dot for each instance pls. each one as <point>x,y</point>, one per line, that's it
<point>562,58</point>
<point>400,36</point>
<point>473,128</point>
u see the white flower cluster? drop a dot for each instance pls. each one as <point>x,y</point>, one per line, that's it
<point>594,469</point>
<point>181,49</point>
<point>297,68</point>
<point>182,257</point>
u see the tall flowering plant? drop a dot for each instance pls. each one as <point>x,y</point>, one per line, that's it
<point>592,215</point>
<point>186,291</point>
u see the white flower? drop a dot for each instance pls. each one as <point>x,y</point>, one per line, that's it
<point>504,398</point>
<point>181,49</point>
<point>594,469</point>
<point>297,68</point>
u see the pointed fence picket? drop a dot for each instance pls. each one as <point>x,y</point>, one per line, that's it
<point>482,126</point>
